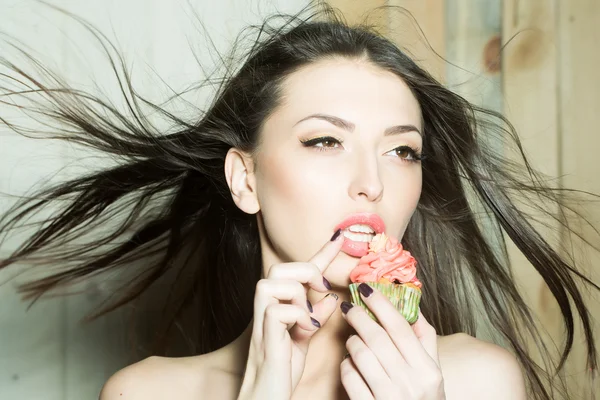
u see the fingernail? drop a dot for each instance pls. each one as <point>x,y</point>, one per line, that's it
<point>309,306</point>
<point>326,283</point>
<point>365,289</point>
<point>315,322</point>
<point>335,296</point>
<point>336,234</point>
<point>345,306</point>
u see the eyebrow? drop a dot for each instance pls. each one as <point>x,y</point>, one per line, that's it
<point>349,126</point>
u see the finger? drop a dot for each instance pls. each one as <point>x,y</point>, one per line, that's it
<point>276,321</point>
<point>303,272</point>
<point>324,308</point>
<point>269,292</point>
<point>369,366</point>
<point>427,334</point>
<point>398,329</point>
<point>322,311</point>
<point>273,291</point>
<point>377,340</point>
<point>353,383</point>
<point>328,252</point>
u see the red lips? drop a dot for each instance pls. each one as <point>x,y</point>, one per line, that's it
<point>359,249</point>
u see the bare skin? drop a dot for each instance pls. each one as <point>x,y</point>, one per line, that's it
<point>472,369</point>
<point>299,194</point>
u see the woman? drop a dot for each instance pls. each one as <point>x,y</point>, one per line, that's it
<point>323,127</point>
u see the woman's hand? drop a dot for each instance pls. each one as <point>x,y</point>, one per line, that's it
<point>392,360</point>
<point>284,322</point>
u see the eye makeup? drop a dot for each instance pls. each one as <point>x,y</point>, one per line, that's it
<point>328,143</point>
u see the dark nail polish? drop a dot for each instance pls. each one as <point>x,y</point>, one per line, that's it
<point>326,283</point>
<point>365,289</point>
<point>345,306</point>
<point>336,234</point>
<point>335,296</point>
<point>310,309</point>
<point>315,322</point>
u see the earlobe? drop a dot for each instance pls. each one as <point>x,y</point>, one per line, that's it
<point>239,172</point>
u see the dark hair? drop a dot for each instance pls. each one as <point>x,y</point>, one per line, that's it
<point>195,232</point>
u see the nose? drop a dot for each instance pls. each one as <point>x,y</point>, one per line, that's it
<point>366,183</point>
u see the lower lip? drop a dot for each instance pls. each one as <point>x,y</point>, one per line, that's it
<point>355,249</point>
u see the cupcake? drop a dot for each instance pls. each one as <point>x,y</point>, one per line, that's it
<point>392,270</point>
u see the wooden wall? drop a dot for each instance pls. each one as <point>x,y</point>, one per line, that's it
<point>546,81</point>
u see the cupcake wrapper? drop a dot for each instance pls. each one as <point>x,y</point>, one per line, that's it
<point>405,298</point>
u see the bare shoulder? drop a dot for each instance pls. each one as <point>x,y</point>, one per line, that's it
<point>158,378</point>
<point>473,368</point>
<point>153,378</point>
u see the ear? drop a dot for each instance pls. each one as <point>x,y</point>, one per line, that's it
<point>239,172</point>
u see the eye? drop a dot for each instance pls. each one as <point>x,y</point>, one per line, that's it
<point>407,153</point>
<point>323,143</point>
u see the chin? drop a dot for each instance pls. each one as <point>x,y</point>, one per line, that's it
<point>338,272</point>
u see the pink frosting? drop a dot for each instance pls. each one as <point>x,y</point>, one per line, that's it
<point>391,263</point>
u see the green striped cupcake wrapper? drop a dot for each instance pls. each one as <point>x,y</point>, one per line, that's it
<point>405,298</point>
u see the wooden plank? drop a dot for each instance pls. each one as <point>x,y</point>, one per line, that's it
<point>529,80</point>
<point>579,102</point>
<point>402,21</point>
<point>530,104</point>
<point>419,27</point>
<point>473,31</point>
<point>361,11</point>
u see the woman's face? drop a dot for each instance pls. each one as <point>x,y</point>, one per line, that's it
<point>370,125</point>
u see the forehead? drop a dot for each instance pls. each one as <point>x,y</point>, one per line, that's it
<point>355,90</point>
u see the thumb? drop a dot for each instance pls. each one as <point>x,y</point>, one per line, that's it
<point>322,311</point>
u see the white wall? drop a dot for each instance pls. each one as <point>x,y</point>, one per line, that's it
<point>44,354</point>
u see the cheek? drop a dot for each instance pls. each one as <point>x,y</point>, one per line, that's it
<point>282,182</point>
<point>297,180</point>
<point>414,187</point>
<point>302,197</point>
<point>402,192</point>
<point>290,194</point>
<point>410,191</point>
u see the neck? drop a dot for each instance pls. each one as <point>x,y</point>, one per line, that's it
<point>325,353</point>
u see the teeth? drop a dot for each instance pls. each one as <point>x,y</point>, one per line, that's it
<point>361,228</point>
<point>359,237</point>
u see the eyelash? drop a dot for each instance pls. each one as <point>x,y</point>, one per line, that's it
<point>415,153</point>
